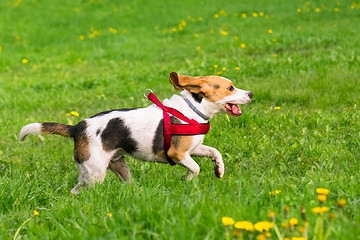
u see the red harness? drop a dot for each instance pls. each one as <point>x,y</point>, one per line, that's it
<point>193,128</point>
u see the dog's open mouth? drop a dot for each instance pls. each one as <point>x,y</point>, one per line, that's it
<point>233,109</point>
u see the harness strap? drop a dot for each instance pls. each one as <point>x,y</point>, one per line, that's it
<point>193,128</point>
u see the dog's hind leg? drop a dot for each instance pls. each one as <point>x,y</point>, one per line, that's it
<point>214,154</point>
<point>120,168</point>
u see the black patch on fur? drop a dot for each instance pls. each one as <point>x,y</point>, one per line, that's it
<point>117,135</point>
<point>158,141</point>
<point>197,97</point>
<point>98,132</point>
<point>216,86</point>
<point>78,129</point>
<point>117,110</point>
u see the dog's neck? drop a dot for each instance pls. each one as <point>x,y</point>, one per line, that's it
<point>207,108</point>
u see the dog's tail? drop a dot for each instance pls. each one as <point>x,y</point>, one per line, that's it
<point>46,128</point>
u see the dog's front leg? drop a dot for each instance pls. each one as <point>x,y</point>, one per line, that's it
<point>187,162</point>
<point>214,154</point>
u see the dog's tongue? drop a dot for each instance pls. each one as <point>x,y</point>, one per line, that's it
<point>235,109</point>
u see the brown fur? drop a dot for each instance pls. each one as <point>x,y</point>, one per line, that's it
<point>213,88</point>
<point>81,148</point>
<point>180,144</point>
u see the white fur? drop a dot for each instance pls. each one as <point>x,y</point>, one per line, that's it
<point>32,128</point>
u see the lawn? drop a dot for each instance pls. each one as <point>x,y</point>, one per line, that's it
<point>301,131</point>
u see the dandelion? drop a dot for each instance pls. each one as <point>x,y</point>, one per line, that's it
<point>227,221</point>
<point>245,225</point>
<point>274,55</point>
<point>336,9</point>
<point>196,35</point>
<point>219,73</point>
<point>260,237</point>
<point>68,114</point>
<point>174,29</point>
<point>224,69</point>
<point>74,113</point>
<point>317,9</point>
<point>211,31</point>
<point>109,214</point>
<point>323,191</point>
<point>236,37</point>
<point>17,37</point>
<point>243,15</point>
<point>261,14</point>
<point>255,14</point>
<point>36,213</point>
<point>293,222</point>
<point>216,15</point>
<point>299,10</point>
<point>215,66</point>
<point>25,60</point>
<point>320,210</point>
<point>263,226</point>
<point>243,45</point>
<point>79,60</point>
<point>268,235</point>
<point>270,31</point>
<point>277,108</point>
<point>222,32</point>
<point>200,19</point>
<point>274,40</point>
<point>0,49</point>
<point>237,68</point>
<point>322,198</point>
<point>82,37</point>
<point>198,48</point>
<point>341,202</point>
<point>331,216</point>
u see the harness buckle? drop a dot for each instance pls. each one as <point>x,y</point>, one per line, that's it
<point>147,90</point>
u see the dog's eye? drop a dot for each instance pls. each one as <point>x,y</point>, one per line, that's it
<point>231,88</point>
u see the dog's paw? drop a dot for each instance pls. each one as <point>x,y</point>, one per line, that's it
<point>219,170</point>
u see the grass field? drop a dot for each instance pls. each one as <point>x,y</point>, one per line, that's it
<point>90,56</point>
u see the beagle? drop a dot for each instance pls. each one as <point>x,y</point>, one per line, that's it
<point>101,141</point>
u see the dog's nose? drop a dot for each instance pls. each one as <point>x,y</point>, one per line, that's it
<point>250,95</point>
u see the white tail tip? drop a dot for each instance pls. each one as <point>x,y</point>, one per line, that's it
<point>32,128</point>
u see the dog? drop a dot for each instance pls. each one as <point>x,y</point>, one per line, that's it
<point>101,141</point>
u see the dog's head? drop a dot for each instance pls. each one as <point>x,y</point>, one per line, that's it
<point>215,89</point>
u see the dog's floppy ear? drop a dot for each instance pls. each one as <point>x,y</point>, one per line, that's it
<point>192,84</point>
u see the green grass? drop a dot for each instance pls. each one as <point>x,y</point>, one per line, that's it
<point>312,141</point>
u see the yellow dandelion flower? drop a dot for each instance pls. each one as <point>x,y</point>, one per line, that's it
<point>260,237</point>
<point>293,221</point>
<point>200,19</point>
<point>277,191</point>
<point>317,9</point>
<point>124,31</point>
<point>68,114</point>
<point>211,31</point>
<point>183,22</point>
<point>261,14</point>
<point>270,31</point>
<point>336,9</point>
<point>341,202</point>
<point>236,14</point>
<point>274,55</point>
<point>222,12</point>
<point>236,37</point>
<point>320,209</point>
<point>277,108</point>
<point>82,37</point>
<point>174,29</point>
<point>109,214</point>
<point>196,35</point>
<point>245,225</point>
<point>271,214</point>
<point>216,66</point>
<point>222,32</point>
<point>227,221</point>
<point>0,49</point>
<point>25,60</point>
<point>243,45</point>
<point>263,226</point>
<point>322,191</point>
<point>331,216</point>
<point>254,14</point>
<point>243,15</point>
<point>180,27</point>
<point>36,213</point>
<point>74,113</point>
<point>299,10</point>
<point>237,68</point>
<point>220,72</point>
<point>268,235</point>
<point>216,15</point>
<point>198,48</point>
<point>17,37</point>
<point>321,198</point>
<point>224,69</point>
<point>284,225</point>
